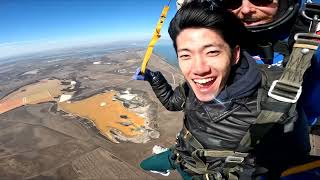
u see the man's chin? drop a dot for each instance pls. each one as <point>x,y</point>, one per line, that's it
<point>205,97</point>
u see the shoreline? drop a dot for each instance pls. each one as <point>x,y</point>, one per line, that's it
<point>164,59</point>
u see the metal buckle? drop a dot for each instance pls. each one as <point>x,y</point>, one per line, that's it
<point>307,36</point>
<point>281,98</point>
<point>234,159</point>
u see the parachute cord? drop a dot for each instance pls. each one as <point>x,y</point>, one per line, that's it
<point>169,2</point>
<point>155,37</point>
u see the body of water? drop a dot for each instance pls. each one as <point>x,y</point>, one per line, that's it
<point>167,52</point>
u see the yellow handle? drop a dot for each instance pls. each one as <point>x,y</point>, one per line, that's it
<point>155,37</point>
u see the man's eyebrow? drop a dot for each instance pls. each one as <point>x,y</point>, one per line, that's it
<point>213,45</point>
<point>183,49</point>
<point>219,45</point>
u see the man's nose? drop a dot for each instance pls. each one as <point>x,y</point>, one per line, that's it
<point>200,66</point>
<point>247,7</point>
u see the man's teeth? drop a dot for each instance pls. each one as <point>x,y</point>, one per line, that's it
<point>202,81</point>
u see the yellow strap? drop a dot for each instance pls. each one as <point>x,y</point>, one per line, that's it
<point>301,168</point>
<point>155,37</point>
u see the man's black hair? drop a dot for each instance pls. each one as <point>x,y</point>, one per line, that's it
<point>205,14</point>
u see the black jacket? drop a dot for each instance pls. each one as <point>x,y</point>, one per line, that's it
<point>221,123</point>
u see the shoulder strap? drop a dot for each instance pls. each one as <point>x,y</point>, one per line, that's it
<point>283,93</point>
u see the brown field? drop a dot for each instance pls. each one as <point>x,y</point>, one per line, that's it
<point>106,118</point>
<point>42,91</point>
<point>52,86</point>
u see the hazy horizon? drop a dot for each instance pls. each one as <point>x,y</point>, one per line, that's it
<point>163,48</point>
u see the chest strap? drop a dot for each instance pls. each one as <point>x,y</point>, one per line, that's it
<point>196,163</point>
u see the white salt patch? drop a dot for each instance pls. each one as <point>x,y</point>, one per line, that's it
<point>65,97</point>
<point>127,96</point>
<point>72,83</point>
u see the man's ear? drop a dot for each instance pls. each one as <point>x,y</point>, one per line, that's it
<point>236,55</point>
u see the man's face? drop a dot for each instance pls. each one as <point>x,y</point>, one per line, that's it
<point>252,15</point>
<point>205,61</point>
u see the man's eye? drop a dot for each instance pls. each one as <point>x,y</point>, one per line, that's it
<point>184,56</point>
<point>213,53</point>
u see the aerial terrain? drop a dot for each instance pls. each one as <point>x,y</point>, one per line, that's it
<point>79,115</point>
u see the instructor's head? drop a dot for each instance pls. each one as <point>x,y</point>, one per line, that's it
<point>253,12</point>
<point>265,19</point>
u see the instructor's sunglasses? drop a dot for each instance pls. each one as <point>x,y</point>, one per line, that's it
<point>235,4</point>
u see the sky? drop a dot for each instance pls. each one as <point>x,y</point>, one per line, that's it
<point>37,25</point>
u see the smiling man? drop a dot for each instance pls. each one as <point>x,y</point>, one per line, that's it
<point>224,97</point>
<point>205,60</point>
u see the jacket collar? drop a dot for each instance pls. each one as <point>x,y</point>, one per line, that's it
<point>243,81</point>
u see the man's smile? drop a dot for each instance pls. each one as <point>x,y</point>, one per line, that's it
<point>204,84</point>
